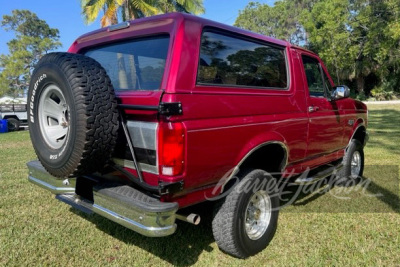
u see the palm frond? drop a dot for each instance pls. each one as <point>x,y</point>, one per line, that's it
<point>146,7</point>
<point>91,9</point>
<point>191,6</point>
<point>110,15</point>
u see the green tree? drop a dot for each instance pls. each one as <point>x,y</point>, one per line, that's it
<point>358,40</point>
<point>354,38</point>
<point>33,39</point>
<point>280,21</point>
<point>110,8</point>
<point>115,10</point>
<point>329,34</point>
<point>383,33</point>
<point>186,6</point>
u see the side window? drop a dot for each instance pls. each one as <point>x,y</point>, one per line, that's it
<point>328,86</point>
<point>229,60</point>
<point>314,77</point>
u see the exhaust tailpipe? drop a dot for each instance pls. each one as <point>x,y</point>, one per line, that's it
<point>191,218</point>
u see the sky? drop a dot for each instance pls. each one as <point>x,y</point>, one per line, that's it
<point>66,16</point>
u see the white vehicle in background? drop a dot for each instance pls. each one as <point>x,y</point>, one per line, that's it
<point>14,111</point>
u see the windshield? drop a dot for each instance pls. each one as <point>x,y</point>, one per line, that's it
<point>135,64</point>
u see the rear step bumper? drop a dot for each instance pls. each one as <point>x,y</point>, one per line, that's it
<point>119,203</point>
<point>39,176</point>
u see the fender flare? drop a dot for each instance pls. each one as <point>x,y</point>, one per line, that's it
<point>261,141</point>
<point>359,124</point>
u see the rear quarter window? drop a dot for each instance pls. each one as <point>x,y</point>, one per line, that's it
<point>233,61</point>
<point>137,64</point>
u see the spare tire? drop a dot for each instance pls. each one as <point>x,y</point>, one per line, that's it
<point>72,114</point>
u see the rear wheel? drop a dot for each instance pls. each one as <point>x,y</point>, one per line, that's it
<point>73,118</point>
<point>246,220</point>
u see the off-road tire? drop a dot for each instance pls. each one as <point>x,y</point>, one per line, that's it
<point>228,224</point>
<point>345,177</point>
<point>90,116</point>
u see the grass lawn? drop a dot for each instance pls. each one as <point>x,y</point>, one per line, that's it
<point>36,229</point>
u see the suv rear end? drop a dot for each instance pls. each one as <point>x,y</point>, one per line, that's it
<point>141,68</point>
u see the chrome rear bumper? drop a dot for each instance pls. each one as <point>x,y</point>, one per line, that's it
<point>119,203</point>
<point>39,176</point>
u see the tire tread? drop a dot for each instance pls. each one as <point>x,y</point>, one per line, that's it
<point>224,227</point>
<point>96,113</point>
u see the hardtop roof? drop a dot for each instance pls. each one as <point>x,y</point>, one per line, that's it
<point>177,18</point>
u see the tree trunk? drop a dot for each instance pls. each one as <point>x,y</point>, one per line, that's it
<point>114,19</point>
<point>360,83</point>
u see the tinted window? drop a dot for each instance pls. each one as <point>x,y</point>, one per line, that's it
<point>134,65</point>
<point>313,75</point>
<point>232,61</point>
<point>328,86</point>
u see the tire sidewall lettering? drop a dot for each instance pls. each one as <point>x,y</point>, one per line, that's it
<point>39,79</point>
<point>50,75</point>
<point>92,114</point>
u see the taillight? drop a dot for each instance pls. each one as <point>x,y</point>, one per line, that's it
<point>171,148</point>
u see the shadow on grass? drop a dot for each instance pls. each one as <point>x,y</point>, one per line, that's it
<point>376,194</point>
<point>185,246</point>
<point>386,196</point>
<point>180,249</point>
<point>364,195</point>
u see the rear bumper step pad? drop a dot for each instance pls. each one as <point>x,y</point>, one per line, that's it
<point>119,203</point>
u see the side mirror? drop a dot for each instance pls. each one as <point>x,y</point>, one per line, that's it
<point>340,91</point>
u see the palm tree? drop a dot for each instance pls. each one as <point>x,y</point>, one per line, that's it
<point>132,9</point>
<point>92,8</point>
<point>186,6</point>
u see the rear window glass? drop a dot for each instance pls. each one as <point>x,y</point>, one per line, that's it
<point>228,60</point>
<point>136,64</point>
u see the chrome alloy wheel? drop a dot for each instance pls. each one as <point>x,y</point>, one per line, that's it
<point>53,115</point>
<point>258,215</point>
<point>355,164</point>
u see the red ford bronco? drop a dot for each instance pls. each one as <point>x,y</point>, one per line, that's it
<point>142,119</point>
